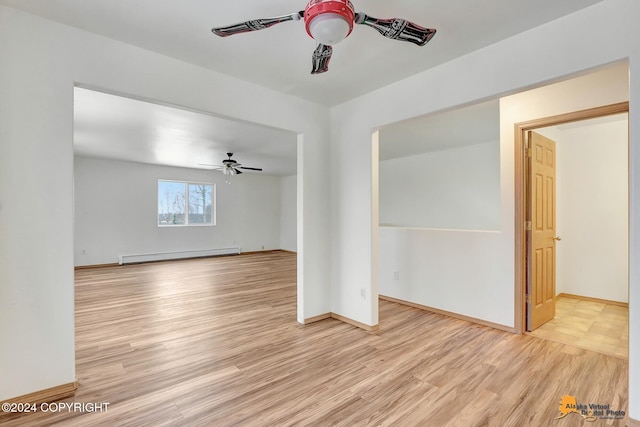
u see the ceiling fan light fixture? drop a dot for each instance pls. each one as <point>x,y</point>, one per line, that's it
<point>329,29</point>
<point>329,21</point>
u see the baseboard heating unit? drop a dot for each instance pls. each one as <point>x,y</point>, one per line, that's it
<point>165,256</point>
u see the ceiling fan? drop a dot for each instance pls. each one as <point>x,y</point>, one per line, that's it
<point>230,167</point>
<point>331,21</point>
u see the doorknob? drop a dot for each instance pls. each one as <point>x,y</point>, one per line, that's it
<point>556,238</point>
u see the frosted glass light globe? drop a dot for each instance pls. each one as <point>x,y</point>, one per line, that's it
<point>329,28</point>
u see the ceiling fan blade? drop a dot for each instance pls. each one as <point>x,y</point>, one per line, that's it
<point>320,59</point>
<point>397,29</point>
<point>236,171</point>
<point>251,169</point>
<point>256,24</point>
<point>214,167</point>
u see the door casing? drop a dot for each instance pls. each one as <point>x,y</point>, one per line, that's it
<point>521,196</point>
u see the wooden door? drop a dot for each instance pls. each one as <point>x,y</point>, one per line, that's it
<point>541,283</point>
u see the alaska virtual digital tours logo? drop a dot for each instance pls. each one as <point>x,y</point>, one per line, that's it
<point>591,412</point>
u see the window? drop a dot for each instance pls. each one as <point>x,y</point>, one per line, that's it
<point>185,203</point>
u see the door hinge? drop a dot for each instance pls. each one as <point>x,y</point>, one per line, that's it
<point>528,152</point>
<point>527,225</point>
<point>528,298</point>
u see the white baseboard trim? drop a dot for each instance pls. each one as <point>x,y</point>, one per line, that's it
<point>368,328</point>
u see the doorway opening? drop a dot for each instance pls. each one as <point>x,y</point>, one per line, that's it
<point>567,287</point>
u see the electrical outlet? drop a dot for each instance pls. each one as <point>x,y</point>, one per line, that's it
<point>396,275</point>
<point>84,251</point>
<point>363,293</point>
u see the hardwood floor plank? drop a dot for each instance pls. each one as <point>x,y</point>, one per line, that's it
<point>215,342</point>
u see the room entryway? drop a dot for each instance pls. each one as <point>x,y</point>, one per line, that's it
<point>576,286</point>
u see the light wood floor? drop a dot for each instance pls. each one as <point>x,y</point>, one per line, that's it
<point>591,325</point>
<point>214,342</point>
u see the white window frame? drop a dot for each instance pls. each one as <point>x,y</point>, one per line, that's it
<point>214,203</point>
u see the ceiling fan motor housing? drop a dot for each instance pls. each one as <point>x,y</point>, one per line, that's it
<point>329,21</point>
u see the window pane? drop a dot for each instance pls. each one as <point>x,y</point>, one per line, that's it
<point>171,203</point>
<point>200,209</point>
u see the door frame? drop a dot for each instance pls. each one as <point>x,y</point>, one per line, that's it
<point>521,195</point>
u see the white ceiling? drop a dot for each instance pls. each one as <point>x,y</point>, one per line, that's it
<point>120,128</point>
<point>279,58</point>
<point>470,125</point>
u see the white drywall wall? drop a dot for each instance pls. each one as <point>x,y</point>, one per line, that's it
<point>458,188</point>
<point>116,205</point>
<point>288,209</point>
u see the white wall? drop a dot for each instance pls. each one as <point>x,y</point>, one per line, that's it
<point>434,268</point>
<point>530,59</point>
<point>116,208</point>
<point>592,209</point>
<point>41,62</point>
<point>455,189</point>
<point>458,188</point>
<point>288,209</point>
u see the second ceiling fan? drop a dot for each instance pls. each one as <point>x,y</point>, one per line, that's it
<point>230,167</point>
<point>331,21</point>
